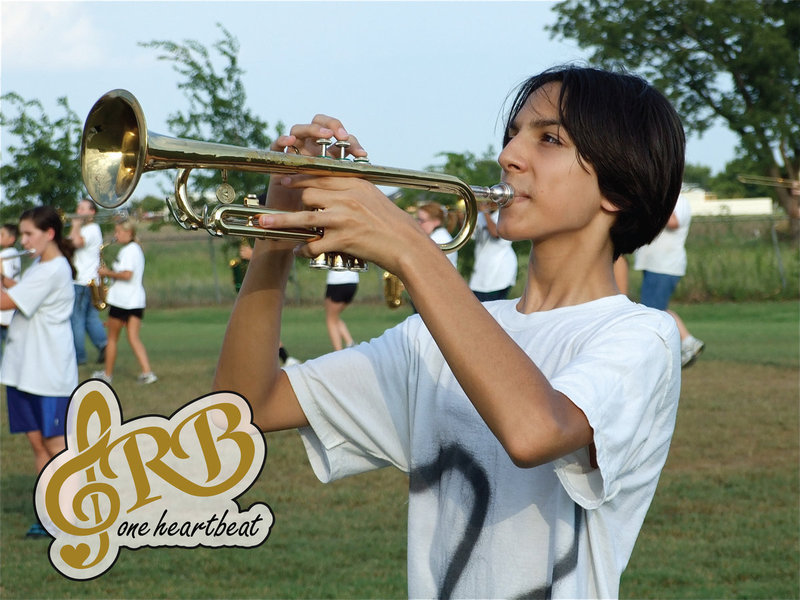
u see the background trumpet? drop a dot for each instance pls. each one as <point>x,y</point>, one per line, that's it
<point>18,254</point>
<point>104,217</point>
<point>117,148</point>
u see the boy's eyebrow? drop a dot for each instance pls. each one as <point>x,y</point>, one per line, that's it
<point>545,122</point>
<point>538,123</point>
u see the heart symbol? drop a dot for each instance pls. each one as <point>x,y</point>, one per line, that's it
<point>75,556</point>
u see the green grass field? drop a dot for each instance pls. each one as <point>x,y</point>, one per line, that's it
<point>724,522</point>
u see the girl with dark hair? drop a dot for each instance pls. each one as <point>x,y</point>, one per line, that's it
<point>534,429</point>
<point>39,366</point>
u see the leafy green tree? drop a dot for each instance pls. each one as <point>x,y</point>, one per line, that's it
<point>697,175</point>
<point>732,60</point>
<point>218,109</point>
<point>217,113</point>
<point>42,166</point>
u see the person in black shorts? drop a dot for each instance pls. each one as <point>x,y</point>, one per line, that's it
<point>126,302</point>
<point>339,292</point>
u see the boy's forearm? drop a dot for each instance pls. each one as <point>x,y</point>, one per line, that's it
<point>248,361</point>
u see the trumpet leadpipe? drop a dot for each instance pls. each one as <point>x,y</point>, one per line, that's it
<point>117,148</point>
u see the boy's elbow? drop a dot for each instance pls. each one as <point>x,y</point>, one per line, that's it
<point>540,445</point>
<point>525,455</point>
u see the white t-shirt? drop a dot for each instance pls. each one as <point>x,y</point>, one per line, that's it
<point>440,235</point>
<point>129,293</point>
<point>479,526</point>
<point>495,265</point>
<point>667,253</point>
<point>340,277</point>
<point>39,357</point>
<point>10,267</point>
<point>87,258</point>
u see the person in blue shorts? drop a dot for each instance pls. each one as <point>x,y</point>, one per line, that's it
<point>663,264</point>
<point>39,366</point>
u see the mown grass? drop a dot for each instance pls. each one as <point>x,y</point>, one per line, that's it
<point>724,522</point>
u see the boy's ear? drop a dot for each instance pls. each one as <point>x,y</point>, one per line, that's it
<point>607,205</point>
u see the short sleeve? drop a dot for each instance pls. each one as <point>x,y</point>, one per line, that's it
<point>357,403</point>
<point>33,289</point>
<point>630,403</point>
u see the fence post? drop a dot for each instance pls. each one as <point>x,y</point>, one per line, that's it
<point>213,256</point>
<point>777,248</point>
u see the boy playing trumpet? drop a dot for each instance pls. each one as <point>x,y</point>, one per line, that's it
<point>533,430</point>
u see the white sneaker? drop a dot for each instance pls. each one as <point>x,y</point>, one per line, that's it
<point>691,348</point>
<point>145,378</point>
<point>290,360</point>
<point>102,375</point>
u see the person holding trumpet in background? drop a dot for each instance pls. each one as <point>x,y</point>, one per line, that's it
<point>87,238</point>
<point>533,430</point>
<point>11,267</point>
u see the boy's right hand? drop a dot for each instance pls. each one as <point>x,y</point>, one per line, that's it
<point>302,139</point>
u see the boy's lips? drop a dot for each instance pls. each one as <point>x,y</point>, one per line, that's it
<point>519,193</point>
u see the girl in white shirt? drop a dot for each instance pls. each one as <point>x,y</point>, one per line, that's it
<point>126,302</point>
<point>431,218</point>
<point>39,366</point>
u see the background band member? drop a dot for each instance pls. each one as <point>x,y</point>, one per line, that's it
<point>39,366</point>
<point>87,238</point>
<point>126,303</point>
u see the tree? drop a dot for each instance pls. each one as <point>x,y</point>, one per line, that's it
<point>44,166</point>
<point>217,106</point>
<point>217,113</point>
<point>734,60</point>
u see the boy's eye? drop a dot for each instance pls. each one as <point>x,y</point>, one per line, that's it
<point>551,138</point>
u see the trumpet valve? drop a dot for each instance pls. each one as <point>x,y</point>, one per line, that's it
<point>358,264</point>
<point>343,145</point>
<point>319,262</point>
<point>336,261</point>
<point>323,146</point>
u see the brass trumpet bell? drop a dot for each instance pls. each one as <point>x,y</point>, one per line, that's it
<point>117,148</point>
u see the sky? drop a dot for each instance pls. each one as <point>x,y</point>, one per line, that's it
<point>410,79</point>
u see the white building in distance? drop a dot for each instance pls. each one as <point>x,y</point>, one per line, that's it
<point>708,205</point>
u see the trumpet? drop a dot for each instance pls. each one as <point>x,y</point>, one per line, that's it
<point>106,217</point>
<point>117,148</point>
<point>17,254</point>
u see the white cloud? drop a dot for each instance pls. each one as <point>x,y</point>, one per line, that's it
<point>44,36</point>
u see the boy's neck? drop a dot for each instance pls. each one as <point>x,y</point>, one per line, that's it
<point>570,278</point>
